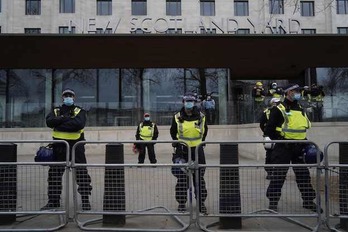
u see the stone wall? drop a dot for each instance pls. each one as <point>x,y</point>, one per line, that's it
<point>321,133</point>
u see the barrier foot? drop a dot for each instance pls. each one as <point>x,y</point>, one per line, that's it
<point>83,225</point>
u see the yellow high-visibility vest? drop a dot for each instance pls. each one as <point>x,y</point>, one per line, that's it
<point>295,124</point>
<point>190,132</point>
<point>146,132</point>
<point>67,135</point>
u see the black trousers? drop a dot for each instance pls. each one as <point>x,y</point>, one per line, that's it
<point>284,154</point>
<point>150,150</point>
<point>182,184</point>
<point>55,173</point>
<point>268,161</point>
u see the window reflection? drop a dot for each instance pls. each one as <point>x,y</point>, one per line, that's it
<point>119,97</point>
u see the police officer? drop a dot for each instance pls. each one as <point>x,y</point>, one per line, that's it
<point>68,122</point>
<point>289,121</point>
<point>147,130</point>
<point>258,93</point>
<point>317,98</point>
<point>189,125</point>
<point>268,146</point>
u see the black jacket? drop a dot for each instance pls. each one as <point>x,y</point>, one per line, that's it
<point>65,121</point>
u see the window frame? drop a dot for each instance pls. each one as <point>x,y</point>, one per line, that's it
<point>104,7</point>
<point>139,7</point>
<point>64,6</point>
<point>30,30</point>
<point>342,6</point>
<point>309,31</point>
<point>307,8</point>
<point>241,8</point>
<point>207,7</point>
<point>173,7</point>
<point>31,6</point>
<point>65,30</point>
<point>342,28</point>
<point>243,31</point>
<point>276,9</point>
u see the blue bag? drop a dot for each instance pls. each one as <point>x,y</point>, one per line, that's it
<point>45,154</point>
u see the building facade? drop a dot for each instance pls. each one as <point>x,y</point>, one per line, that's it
<point>175,16</point>
<point>117,96</point>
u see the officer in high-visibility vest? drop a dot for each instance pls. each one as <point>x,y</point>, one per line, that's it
<point>288,121</point>
<point>189,125</point>
<point>147,130</point>
<point>258,93</point>
<point>68,122</point>
<point>317,98</point>
<point>268,146</point>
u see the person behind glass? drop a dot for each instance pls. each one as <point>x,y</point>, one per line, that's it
<point>258,93</point>
<point>209,109</point>
<point>68,122</point>
<point>189,125</point>
<point>275,92</point>
<point>288,121</point>
<point>317,98</point>
<point>147,131</point>
<point>268,146</point>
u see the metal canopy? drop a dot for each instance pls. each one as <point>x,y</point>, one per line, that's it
<point>248,56</point>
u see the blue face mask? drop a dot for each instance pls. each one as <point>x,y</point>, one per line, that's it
<point>68,101</point>
<point>297,96</point>
<point>147,118</point>
<point>189,105</point>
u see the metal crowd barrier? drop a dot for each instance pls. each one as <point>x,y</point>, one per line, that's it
<point>238,191</point>
<point>129,196</point>
<point>23,191</point>
<point>336,185</point>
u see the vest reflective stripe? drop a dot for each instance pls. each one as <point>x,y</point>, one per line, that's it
<point>146,132</point>
<point>67,135</point>
<point>259,99</point>
<point>318,98</point>
<point>295,124</point>
<point>267,112</point>
<point>190,132</point>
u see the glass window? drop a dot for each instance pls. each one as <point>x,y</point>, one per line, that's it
<point>139,7</point>
<point>104,7</point>
<point>66,6</point>
<point>67,30</point>
<point>103,31</point>
<point>32,30</point>
<point>307,8</point>
<point>32,7</point>
<point>342,30</point>
<point>174,31</point>
<point>241,8</point>
<point>207,7</point>
<point>308,31</point>
<point>242,31</point>
<point>173,7</point>
<point>342,6</point>
<point>140,31</point>
<point>276,6</point>
<point>208,31</point>
<point>23,103</point>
